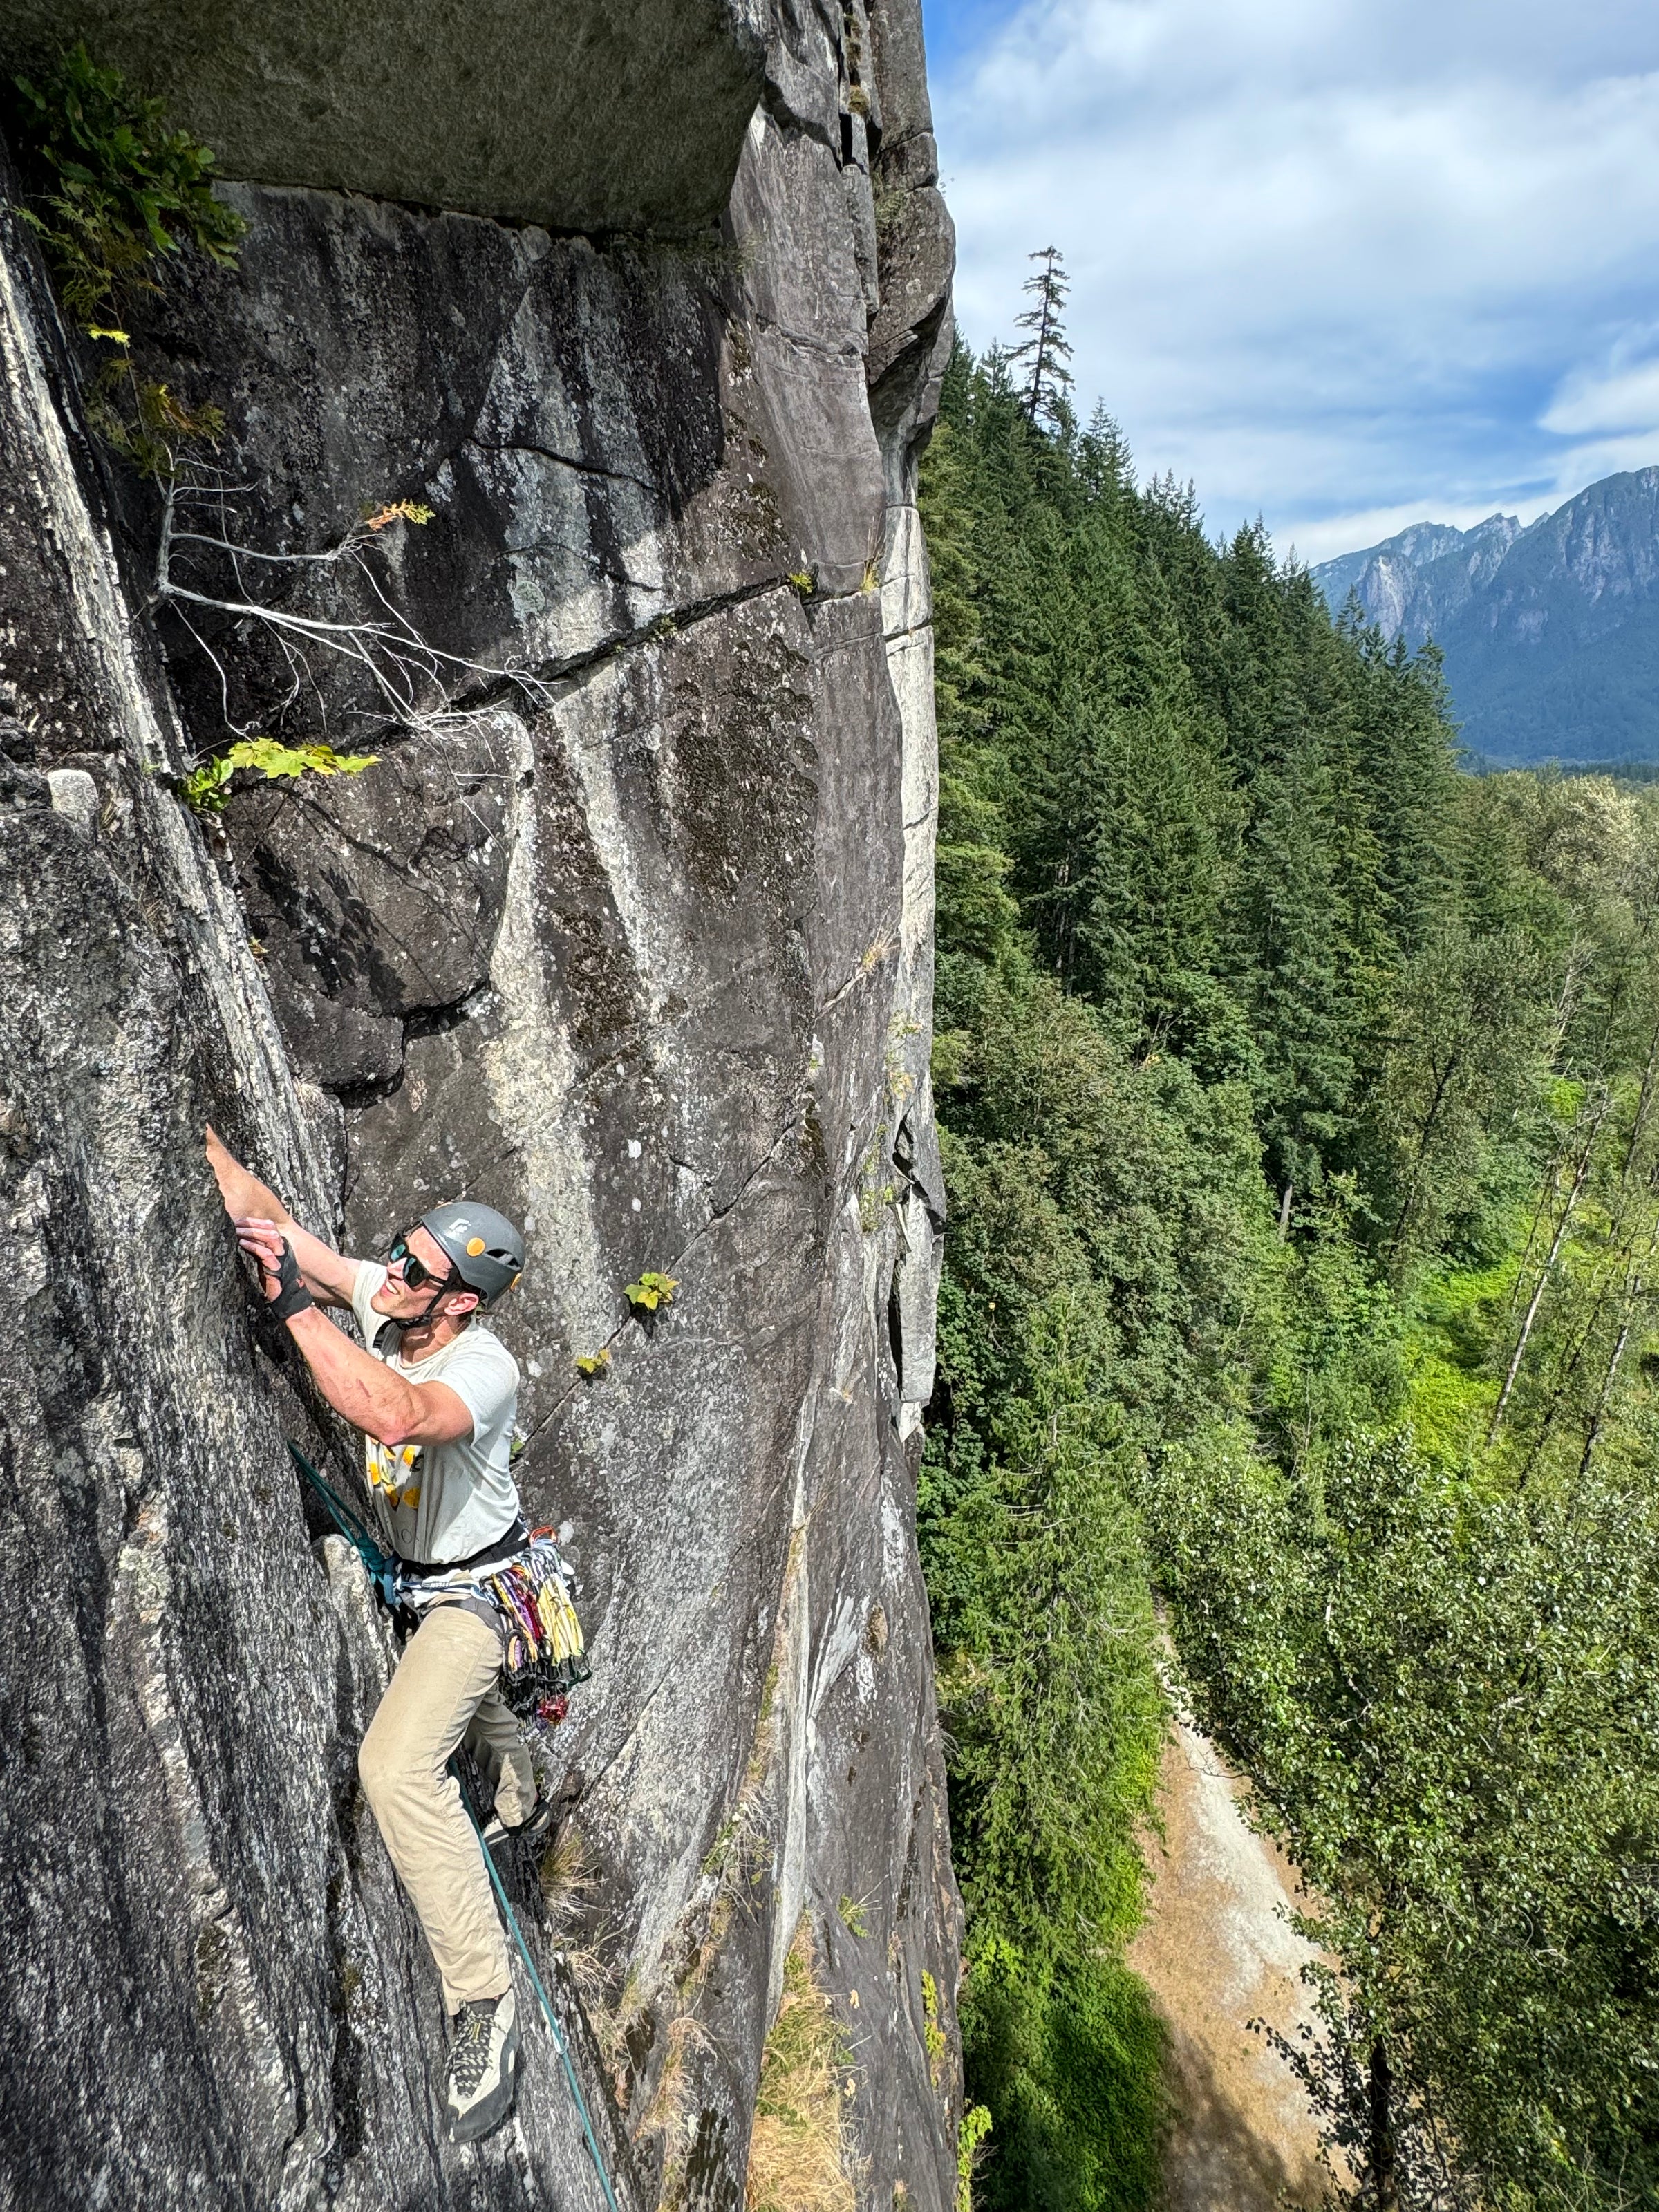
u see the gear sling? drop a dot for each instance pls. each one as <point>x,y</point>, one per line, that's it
<point>545,1660</point>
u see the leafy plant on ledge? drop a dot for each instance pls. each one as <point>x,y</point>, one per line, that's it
<point>651,1292</point>
<point>126,189</point>
<point>116,193</point>
<point>121,193</point>
<point>206,788</point>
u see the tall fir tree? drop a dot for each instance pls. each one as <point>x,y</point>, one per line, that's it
<point>1045,353</point>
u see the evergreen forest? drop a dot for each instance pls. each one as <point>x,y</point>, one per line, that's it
<point>1298,1342</point>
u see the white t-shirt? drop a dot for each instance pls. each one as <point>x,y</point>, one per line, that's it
<point>439,1502</point>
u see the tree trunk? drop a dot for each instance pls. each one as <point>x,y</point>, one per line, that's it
<point>1574,1191</point>
<point>1633,1290</point>
<point>1381,2143</point>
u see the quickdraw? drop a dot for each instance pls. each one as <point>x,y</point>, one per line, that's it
<point>544,1645</point>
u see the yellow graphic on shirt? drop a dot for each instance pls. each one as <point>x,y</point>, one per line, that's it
<point>387,1469</point>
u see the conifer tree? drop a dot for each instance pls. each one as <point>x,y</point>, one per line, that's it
<point>1049,380</point>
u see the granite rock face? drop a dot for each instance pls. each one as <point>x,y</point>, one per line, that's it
<point>593,115</point>
<point>627,932</point>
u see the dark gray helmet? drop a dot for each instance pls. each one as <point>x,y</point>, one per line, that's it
<point>487,1250</point>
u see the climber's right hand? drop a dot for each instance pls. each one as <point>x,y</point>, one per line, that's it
<point>279,1271</point>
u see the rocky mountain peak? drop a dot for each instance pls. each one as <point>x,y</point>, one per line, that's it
<point>1550,632</point>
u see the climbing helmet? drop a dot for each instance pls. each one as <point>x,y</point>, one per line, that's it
<point>487,1250</point>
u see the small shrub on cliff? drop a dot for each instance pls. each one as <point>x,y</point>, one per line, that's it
<point>206,789</point>
<point>118,193</point>
<point>122,190</point>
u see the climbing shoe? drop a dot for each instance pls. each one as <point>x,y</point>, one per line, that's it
<point>483,2061</point>
<point>533,1833</point>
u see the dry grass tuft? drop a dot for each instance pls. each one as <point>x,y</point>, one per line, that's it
<point>568,1879</point>
<point>798,2153</point>
<point>569,1887</point>
<point>612,2025</point>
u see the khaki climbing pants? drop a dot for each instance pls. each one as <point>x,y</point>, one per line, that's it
<point>444,1694</point>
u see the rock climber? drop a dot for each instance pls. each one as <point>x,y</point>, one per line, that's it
<point>435,1395</point>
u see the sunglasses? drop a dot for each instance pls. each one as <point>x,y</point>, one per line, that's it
<point>417,1273</point>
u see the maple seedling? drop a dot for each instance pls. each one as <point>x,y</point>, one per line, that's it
<point>651,1292</point>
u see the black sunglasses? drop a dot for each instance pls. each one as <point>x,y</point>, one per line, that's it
<point>417,1273</point>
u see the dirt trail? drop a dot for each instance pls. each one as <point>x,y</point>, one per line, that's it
<point>1217,1953</point>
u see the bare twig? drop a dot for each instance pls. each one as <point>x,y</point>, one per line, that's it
<point>404,668</point>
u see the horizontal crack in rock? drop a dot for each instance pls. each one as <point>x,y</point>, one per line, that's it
<point>719,1215</point>
<point>565,460</point>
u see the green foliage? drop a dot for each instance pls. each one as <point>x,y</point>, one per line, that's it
<point>206,789</point>
<point>1070,2070</point>
<point>1451,1696</point>
<point>651,1292</point>
<point>933,2034</point>
<point>970,2140</point>
<point>117,193</point>
<point>123,190</point>
<point>590,1364</point>
<point>1298,1095</point>
<point>144,420</point>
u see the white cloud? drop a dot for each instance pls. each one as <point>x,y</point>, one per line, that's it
<point>1621,397</point>
<point>1326,263</point>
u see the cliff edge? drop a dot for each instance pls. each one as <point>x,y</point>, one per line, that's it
<point>627,932</point>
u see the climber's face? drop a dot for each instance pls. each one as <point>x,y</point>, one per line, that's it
<point>421,1281</point>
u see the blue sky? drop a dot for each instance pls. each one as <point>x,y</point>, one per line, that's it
<point>1340,265</point>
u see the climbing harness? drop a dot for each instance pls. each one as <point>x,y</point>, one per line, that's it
<point>529,1593</point>
<point>386,1572</point>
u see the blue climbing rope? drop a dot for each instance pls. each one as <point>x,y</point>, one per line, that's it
<point>559,2044</point>
<point>382,1571</point>
<point>382,1568</point>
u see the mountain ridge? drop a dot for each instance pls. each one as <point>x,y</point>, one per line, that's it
<point>1550,630</point>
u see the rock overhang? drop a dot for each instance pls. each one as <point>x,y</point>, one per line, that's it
<point>593,115</point>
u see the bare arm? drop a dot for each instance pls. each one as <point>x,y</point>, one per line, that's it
<point>328,1274</point>
<point>361,1388</point>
